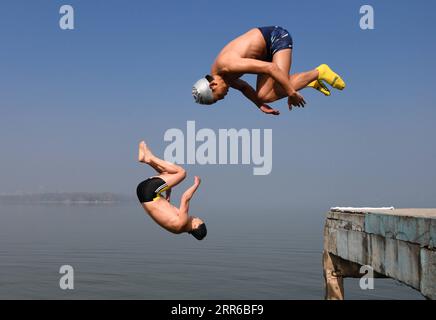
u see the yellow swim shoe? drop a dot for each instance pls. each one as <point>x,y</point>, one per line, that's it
<point>332,78</point>
<point>320,86</point>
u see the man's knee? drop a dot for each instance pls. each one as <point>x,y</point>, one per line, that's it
<point>182,173</point>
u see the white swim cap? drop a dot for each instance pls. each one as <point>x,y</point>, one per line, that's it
<point>202,93</point>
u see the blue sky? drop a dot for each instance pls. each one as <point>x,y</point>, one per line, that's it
<point>74,104</point>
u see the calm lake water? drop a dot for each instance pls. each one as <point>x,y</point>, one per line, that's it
<point>117,252</point>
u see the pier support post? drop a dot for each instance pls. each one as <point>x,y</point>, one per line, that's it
<point>335,270</point>
<point>333,280</point>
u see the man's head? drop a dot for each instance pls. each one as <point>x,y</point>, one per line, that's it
<point>209,90</point>
<point>198,228</point>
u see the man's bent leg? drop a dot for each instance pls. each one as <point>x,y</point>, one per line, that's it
<point>171,173</point>
<point>272,91</point>
<point>269,90</point>
<point>301,80</point>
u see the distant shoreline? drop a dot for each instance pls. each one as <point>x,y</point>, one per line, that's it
<point>64,198</point>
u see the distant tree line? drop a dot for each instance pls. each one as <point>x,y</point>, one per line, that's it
<point>65,197</point>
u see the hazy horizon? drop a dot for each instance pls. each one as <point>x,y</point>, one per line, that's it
<point>75,104</point>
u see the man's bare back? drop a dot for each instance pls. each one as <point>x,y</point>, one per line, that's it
<point>249,45</point>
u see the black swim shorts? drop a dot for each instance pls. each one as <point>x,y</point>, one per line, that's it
<point>150,189</point>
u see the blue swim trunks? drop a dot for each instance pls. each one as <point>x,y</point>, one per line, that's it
<point>276,39</point>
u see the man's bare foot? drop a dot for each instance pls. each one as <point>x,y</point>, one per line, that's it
<point>197,180</point>
<point>144,153</point>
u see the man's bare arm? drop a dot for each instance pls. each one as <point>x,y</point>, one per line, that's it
<point>247,91</point>
<point>251,94</point>
<point>186,197</point>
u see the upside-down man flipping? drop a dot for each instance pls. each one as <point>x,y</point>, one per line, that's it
<point>160,209</point>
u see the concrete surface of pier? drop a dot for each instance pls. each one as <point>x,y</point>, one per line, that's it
<point>399,244</point>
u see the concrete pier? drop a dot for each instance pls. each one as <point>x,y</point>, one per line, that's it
<point>398,244</point>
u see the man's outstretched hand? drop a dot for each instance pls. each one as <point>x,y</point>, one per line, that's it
<point>296,100</point>
<point>268,110</point>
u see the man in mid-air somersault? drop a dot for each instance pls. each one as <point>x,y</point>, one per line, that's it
<point>174,219</point>
<point>267,52</point>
